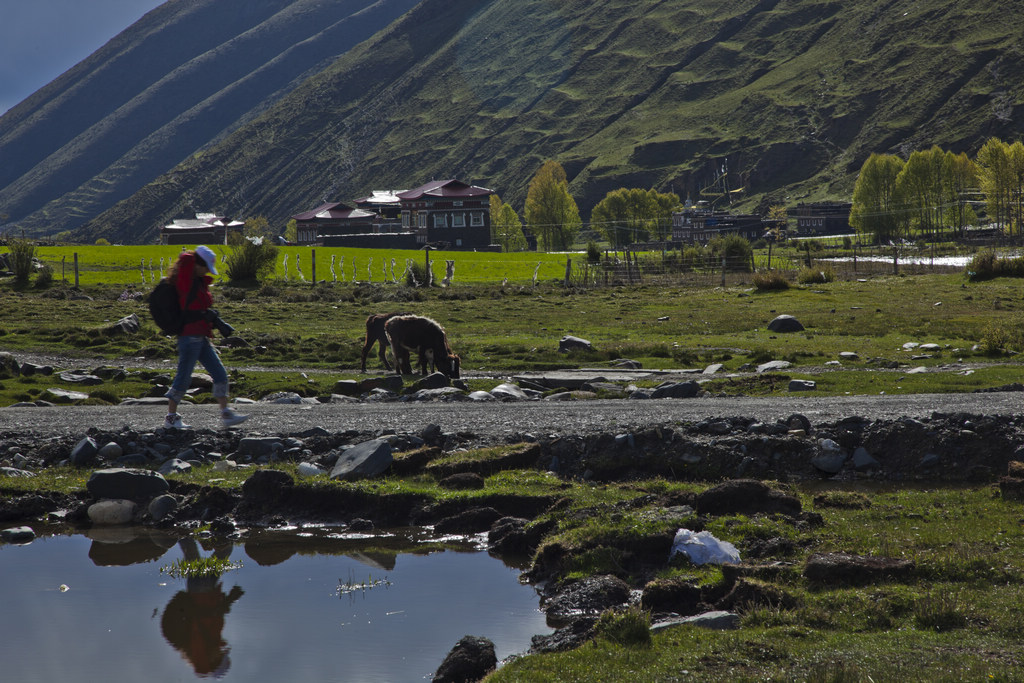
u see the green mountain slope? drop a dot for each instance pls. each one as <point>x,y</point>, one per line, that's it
<point>658,93</point>
<point>175,81</point>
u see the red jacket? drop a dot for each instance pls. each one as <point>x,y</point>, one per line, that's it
<point>201,300</point>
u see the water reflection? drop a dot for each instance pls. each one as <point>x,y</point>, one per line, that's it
<point>290,624</point>
<point>194,618</point>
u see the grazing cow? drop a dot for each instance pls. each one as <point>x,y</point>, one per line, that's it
<point>375,335</point>
<point>408,333</point>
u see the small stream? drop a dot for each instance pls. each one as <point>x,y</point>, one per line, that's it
<point>306,604</point>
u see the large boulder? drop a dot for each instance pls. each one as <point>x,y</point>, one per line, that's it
<point>591,595</point>
<point>569,343</point>
<point>785,323</point>
<point>368,459</point>
<point>9,366</point>
<point>677,390</point>
<point>125,483</point>
<point>471,659</point>
<point>112,512</point>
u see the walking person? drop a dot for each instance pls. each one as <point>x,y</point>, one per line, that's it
<point>190,276</point>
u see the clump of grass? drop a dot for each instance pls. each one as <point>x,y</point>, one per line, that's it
<point>986,265</point>
<point>20,256</point>
<point>771,280</point>
<point>939,612</point>
<point>629,627</point>
<point>850,500</point>
<point>253,260</point>
<point>203,567</point>
<point>815,276</point>
<point>997,339</point>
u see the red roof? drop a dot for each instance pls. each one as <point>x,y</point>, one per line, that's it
<point>332,210</point>
<point>445,188</point>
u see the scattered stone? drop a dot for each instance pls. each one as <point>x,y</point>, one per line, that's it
<point>773,366</point>
<point>470,660</point>
<point>174,466</point>
<point>162,507</point>
<point>306,469</point>
<point>80,377</point>
<point>677,390</point>
<point>848,355</point>
<point>862,460</point>
<point>716,621</point>
<point>66,395</point>
<point>368,459</point>
<point>802,385</point>
<point>591,595</point>
<point>785,323</point>
<point>84,453</point>
<point>14,472</point>
<point>126,325</point>
<point>112,512</point>
<point>130,484</point>
<point>569,343</point>
<point>712,369</point>
<point>110,451</point>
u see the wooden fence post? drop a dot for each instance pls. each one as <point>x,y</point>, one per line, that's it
<point>568,271</point>
<point>76,269</point>
<point>313,259</point>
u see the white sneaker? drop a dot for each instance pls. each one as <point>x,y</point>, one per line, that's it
<point>173,421</point>
<point>230,418</point>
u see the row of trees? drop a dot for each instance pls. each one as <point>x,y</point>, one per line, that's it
<point>936,190</point>
<point>624,216</point>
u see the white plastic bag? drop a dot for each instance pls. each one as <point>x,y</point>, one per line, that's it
<point>703,548</point>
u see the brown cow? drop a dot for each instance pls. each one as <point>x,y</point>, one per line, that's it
<point>408,333</point>
<point>375,335</point>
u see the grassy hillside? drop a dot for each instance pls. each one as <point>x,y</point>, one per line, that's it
<point>793,93</point>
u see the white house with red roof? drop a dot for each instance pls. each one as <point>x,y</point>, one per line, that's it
<point>448,214</point>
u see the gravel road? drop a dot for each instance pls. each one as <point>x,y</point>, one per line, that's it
<point>501,419</point>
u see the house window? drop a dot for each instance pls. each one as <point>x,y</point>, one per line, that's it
<point>440,220</point>
<point>458,242</point>
<point>405,219</point>
<point>458,220</point>
<point>422,220</point>
<point>476,220</point>
<point>457,203</point>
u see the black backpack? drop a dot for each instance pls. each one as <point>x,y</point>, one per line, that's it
<point>165,309</point>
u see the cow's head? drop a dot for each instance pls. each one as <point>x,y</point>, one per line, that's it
<point>449,365</point>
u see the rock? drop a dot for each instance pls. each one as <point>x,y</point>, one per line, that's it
<point>18,534</point>
<point>798,421</point>
<point>259,446</point>
<point>367,459</point>
<point>677,390</point>
<point>509,392</point>
<point>716,621</point>
<point>9,366</point>
<point>712,369</point>
<point>130,484</point>
<point>65,395</point>
<point>474,521</point>
<point>392,383</point>
<point>80,377</point>
<point>481,396</point>
<point>471,659</point>
<point>306,469</point>
<point>929,461</point>
<point>436,380</point>
<point>569,343</point>
<point>510,536</point>
<point>110,512</point>
<point>126,325</point>
<point>802,385</point>
<point>773,366</point>
<point>848,355</point>
<point>162,506</point>
<point>829,462</point>
<point>785,323</point>
<point>282,397</point>
<point>591,595</point>
<point>347,387</point>
<point>862,460</point>
<point>84,452</point>
<point>110,451</point>
<point>745,496</point>
<point>857,570</point>
<point>265,486</point>
<point>174,466</point>
<point>15,472</point>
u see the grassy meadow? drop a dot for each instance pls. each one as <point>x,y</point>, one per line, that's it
<point>673,322</point>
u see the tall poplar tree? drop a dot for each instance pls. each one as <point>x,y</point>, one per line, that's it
<point>878,208</point>
<point>551,212</point>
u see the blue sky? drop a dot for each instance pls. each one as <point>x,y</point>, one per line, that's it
<point>41,39</point>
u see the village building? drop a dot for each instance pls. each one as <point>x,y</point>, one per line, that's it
<point>697,224</point>
<point>321,225</point>
<point>448,214</point>
<point>823,218</point>
<point>387,207</point>
<point>205,228</point>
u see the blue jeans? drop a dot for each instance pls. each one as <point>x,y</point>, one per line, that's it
<point>192,348</point>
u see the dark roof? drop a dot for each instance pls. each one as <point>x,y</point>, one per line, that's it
<point>445,188</point>
<point>332,210</point>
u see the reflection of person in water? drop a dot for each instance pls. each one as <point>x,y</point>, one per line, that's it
<point>194,618</point>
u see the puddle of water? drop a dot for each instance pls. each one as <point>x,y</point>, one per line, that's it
<point>78,608</point>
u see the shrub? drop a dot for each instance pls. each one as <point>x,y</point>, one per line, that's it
<point>20,256</point>
<point>770,280</point>
<point>630,626</point>
<point>985,266</point>
<point>737,252</point>
<point>416,275</point>
<point>816,276</point>
<point>44,277</point>
<point>102,242</point>
<point>253,260</point>
<point>593,252</point>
